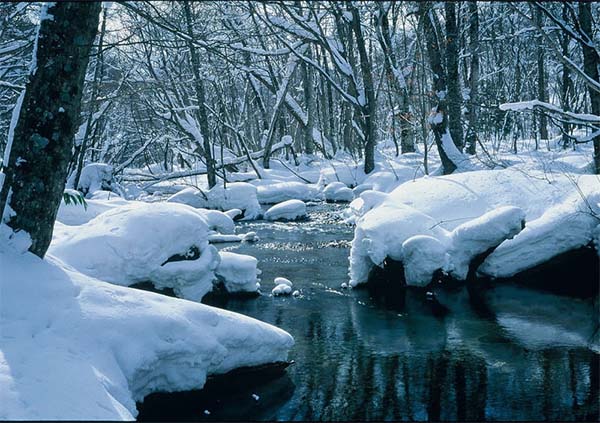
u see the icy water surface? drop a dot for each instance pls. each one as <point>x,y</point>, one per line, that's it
<point>505,353</point>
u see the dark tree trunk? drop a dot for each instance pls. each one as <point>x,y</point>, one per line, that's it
<point>566,88</point>
<point>590,67</point>
<point>454,94</point>
<point>542,83</point>
<point>309,103</point>
<point>201,99</point>
<point>439,125</point>
<point>43,136</point>
<point>473,105</point>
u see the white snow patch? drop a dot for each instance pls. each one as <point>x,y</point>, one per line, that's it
<point>239,272</point>
<point>287,210</point>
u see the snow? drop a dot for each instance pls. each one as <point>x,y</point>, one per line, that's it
<point>422,256</point>
<point>459,216</point>
<point>281,289</point>
<point>338,192</point>
<point>287,210</point>
<point>76,348</point>
<point>237,195</point>
<point>282,281</point>
<point>77,214</point>
<point>132,244</point>
<point>94,177</point>
<point>272,193</point>
<point>239,272</point>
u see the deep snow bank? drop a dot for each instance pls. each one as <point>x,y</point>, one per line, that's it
<point>481,209</point>
<point>76,348</point>
<point>163,243</point>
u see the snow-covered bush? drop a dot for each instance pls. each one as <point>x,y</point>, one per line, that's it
<point>94,177</point>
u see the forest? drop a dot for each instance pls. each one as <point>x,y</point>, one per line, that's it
<point>300,210</point>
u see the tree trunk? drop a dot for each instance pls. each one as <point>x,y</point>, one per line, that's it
<point>439,118</point>
<point>43,137</point>
<point>473,105</point>
<point>310,106</point>
<point>567,84</point>
<point>454,94</point>
<point>201,99</point>
<point>541,71</point>
<point>590,67</point>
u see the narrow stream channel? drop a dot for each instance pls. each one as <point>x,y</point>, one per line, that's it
<point>505,353</point>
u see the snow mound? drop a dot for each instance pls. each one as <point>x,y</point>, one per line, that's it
<point>237,195</point>
<point>94,177</point>
<point>281,289</point>
<point>422,256</point>
<point>338,192</point>
<point>77,214</point>
<point>272,193</point>
<point>381,232</point>
<point>564,227</point>
<point>478,235</point>
<point>163,243</point>
<point>282,281</point>
<point>287,210</point>
<point>239,272</point>
<point>76,348</point>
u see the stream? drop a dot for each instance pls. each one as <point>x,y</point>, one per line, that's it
<point>499,353</point>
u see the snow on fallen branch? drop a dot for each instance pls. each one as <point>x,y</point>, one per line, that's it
<point>576,118</point>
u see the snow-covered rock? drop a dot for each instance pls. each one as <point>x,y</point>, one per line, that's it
<point>272,193</point>
<point>239,272</point>
<point>282,281</point>
<point>281,289</point>
<point>94,177</point>
<point>237,195</point>
<point>76,348</point>
<point>338,192</point>
<point>287,210</point>
<point>422,256</point>
<point>163,243</point>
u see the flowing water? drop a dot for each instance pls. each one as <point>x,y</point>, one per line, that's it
<point>503,353</point>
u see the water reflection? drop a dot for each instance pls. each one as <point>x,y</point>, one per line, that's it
<point>504,353</point>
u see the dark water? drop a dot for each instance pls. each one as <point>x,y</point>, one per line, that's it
<point>503,353</point>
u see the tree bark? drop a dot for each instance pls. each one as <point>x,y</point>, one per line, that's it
<point>454,94</point>
<point>473,105</point>
<point>43,136</point>
<point>590,67</point>
<point>541,71</point>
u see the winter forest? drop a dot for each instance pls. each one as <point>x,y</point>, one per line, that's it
<point>300,210</point>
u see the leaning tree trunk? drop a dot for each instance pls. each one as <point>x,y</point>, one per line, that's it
<point>43,136</point>
<point>591,60</point>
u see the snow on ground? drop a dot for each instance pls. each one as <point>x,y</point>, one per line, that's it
<point>239,272</point>
<point>77,214</point>
<point>237,195</point>
<point>76,348</point>
<point>138,243</point>
<point>94,177</point>
<point>551,205</point>
<point>287,210</point>
<point>338,192</point>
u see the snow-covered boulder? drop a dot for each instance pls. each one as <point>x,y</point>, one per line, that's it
<point>287,210</point>
<point>564,227</point>
<point>73,214</point>
<point>163,243</point>
<point>272,193</point>
<point>422,256</point>
<point>281,289</point>
<point>94,177</point>
<point>239,272</point>
<point>76,348</point>
<point>381,232</point>
<point>478,235</point>
<point>237,195</point>
<point>338,192</point>
<point>282,281</point>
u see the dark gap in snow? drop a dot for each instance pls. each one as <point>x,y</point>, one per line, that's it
<point>193,253</point>
<point>149,286</point>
